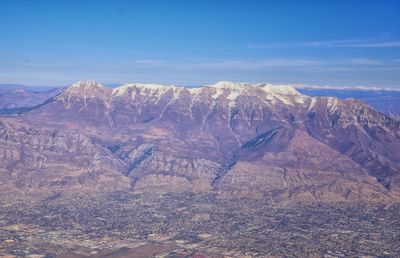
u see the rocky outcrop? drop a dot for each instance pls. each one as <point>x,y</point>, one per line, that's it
<point>303,170</point>
<point>368,137</point>
<point>44,161</point>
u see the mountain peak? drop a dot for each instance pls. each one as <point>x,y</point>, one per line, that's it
<point>86,84</point>
<point>281,89</point>
<point>228,85</point>
<point>146,88</point>
<point>267,87</point>
<point>87,89</point>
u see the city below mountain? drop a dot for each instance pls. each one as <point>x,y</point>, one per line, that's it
<point>256,140</point>
<point>223,170</point>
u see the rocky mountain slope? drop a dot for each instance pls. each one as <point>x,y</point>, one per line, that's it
<point>234,138</point>
<point>384,100</point>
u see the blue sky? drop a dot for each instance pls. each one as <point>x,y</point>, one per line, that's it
<point>344,43</point>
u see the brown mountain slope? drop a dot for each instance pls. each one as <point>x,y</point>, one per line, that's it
<point>263,140</point>
<point>41,161</point>
<point>304,169</point>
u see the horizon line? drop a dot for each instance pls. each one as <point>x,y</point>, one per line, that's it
<point>16,86</point>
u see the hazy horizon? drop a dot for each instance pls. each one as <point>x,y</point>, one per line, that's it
<point>6,86</point>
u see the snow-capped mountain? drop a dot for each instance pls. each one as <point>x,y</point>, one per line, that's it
<point>261,140</point>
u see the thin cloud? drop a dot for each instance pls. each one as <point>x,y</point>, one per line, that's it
<point>364,61</point>
<point>389,44</point>
<point>253,65</point>
<point>217,64</point>
<point>260,64</point>
<point>151,61</point>
<point>201,65</point>
<point>184,71</point>
<point>347,43</point>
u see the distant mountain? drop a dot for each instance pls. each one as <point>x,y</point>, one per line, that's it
<point>15,86</point>
<point>387,101</point>
<point>258,140</point>
<point>24,97</point>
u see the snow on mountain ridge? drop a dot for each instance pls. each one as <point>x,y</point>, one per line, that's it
<point>225,89</point>
<point>149,86</point>
<point>87,89</point>
<point>279,89</point>
<point>86,84</point>
<point>225,85</point>
<point>229,85</point>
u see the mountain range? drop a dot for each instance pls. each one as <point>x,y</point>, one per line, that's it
<point>260,140</point>
<point>18,96</point>
<point>384,100</point>
<point>23,97</point>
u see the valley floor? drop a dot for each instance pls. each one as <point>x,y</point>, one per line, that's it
<point>123,224</point>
